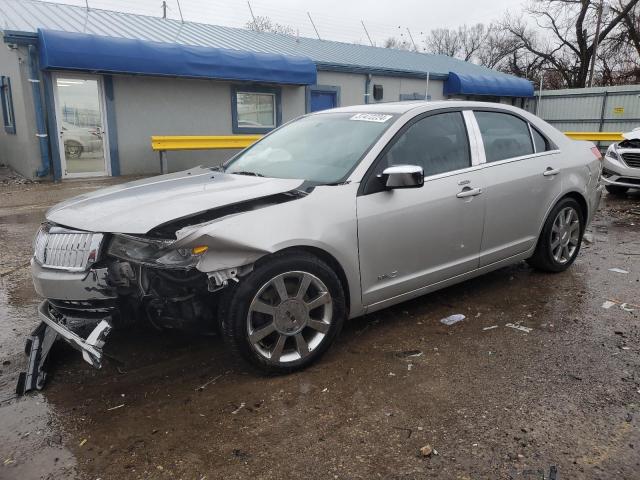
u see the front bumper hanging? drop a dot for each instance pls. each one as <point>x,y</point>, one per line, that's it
<point>39,345</point>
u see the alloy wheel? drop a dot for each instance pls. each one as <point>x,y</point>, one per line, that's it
<point>565,235</point>
<point>289,317</point>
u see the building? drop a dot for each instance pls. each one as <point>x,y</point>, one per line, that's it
<point>83,90</point>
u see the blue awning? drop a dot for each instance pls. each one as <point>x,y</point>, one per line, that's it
<point>495,85</point>
<point>82,52</point>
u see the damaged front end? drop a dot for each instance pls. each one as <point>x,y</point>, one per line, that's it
<point>94,283</point>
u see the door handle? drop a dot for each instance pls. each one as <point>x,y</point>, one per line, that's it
<point>550,172</point>
<point>469,192</point>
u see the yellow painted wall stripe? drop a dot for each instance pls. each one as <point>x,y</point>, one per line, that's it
<point>595,136</point>
<point>217,142</point>
<point>202,142</point>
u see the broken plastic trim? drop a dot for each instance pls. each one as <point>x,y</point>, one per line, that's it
<point>42,339</point>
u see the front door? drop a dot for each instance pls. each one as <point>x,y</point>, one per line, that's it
<point>413,238</point>
<point>79,102</point>
<point>323,100</point>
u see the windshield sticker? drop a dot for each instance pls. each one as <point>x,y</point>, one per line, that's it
<point>371,117</point>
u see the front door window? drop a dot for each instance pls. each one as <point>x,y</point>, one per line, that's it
<point>81,126</point>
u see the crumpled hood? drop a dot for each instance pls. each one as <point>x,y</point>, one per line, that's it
<point>137,207</point>
<point>632,135</point>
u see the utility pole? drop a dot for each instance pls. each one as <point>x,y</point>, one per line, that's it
<point>411,37</point>
<point>180,11</point>
<point>252,15</point>
<point>596,42</point>
<point>86,2</point>
<point>314,25</point>
<point>539,104</point>
<point>164,9</point>
<point>365,31</point>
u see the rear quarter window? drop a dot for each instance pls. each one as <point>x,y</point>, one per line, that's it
<point>539,141</point>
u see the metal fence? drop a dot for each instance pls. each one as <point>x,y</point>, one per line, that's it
<point>600,109</point>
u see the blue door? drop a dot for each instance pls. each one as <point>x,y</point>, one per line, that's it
<point>321,100</point>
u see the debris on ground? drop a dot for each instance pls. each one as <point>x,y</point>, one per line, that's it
<point>82,442</point>
<point>205,385</point>
<point>10,177</point>
<point>242,404</point>
<point>409,353</point>
<point>116,407</point>
<point>426,451</point>
<point>588,238</point>
<point>618,270</point>
<point>623,305</point>
<point>490,328</point>
<point>522,328</point>
<point>452,319</point>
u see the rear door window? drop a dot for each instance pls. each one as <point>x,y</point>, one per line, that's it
<point>504,135</point>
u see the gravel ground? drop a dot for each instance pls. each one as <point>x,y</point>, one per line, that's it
<point>493,403</point>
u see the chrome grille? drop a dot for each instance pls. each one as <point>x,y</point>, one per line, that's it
<point>64,249</point>
<point>632,159</point>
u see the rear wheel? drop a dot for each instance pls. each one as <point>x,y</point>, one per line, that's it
<point>616,190</point>
<point>72,149</point>
<point>285,314</point>
<point>559,242</point>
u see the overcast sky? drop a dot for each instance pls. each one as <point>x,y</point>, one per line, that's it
<point>335,19</point>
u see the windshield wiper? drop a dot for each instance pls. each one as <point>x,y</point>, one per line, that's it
<point>246,172</point>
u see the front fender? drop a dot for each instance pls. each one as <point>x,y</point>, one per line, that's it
<point>325,219</point>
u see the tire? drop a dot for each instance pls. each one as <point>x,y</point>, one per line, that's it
<point>616,190</point>
<point>73,149</point>
<point>277,336</point>
<point>551,258</point>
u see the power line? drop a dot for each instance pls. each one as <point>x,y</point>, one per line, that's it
<point>365,31</point>
<point>314,25</point>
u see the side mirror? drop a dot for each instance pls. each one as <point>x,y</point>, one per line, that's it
<point>402,176</point>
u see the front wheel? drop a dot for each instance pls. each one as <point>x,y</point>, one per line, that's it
<point>285,314</point>
<point>559,242</point>
<point>616,190</point>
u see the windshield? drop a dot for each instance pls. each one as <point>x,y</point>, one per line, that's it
<point>320,148</point>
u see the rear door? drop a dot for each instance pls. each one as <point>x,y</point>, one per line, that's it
<point>523,179</point>
<point>412,238</point>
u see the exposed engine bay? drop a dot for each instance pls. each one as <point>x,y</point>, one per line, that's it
<point>630,143</point>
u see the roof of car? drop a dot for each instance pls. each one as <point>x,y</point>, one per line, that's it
<point>403,107</point>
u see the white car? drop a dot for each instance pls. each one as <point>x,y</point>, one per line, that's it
<point>622,164</point>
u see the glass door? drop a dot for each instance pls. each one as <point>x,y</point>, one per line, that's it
<point>81,125</point>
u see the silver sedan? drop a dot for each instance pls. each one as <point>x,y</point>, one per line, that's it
<point>334,215</point>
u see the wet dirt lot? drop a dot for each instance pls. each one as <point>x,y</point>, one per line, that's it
<point>494,403</point>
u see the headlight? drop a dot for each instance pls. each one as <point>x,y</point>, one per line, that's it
<point>612,152</point>
<point>158,253</point>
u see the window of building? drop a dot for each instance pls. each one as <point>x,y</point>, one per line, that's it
<point>437,143</point>
<point>7,105</point>
<point>504,136</point>
<point>255,110</point>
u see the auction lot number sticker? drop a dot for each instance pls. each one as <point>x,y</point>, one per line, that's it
<point>371,117</point>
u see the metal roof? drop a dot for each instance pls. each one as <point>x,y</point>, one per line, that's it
<point>29,15</point>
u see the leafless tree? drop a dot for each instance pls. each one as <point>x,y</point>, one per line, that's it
<point>398,44</point>
<point>264,24</point>
<point>565,36</point>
